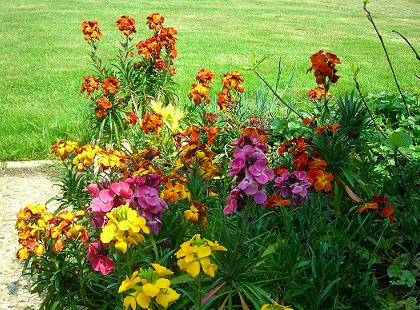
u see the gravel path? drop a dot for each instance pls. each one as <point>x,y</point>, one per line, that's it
<point>18,187</point>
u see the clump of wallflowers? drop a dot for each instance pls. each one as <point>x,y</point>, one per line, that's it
<point>147,286</point>
<point>64,149</point>
<point>199,91</point>
<point>91,30</point>
<point>31,225</point>
<point>126,24</point>
<point>381,205</point>
<point>324,70</point>
<point>194,256</point>
<point>231,82</point>
<point>125,227</point>
<point>250,166</point>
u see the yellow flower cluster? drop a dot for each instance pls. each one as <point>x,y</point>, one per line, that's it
<point>31,224</point>
<point>86,157</point>
<point>194,256</point>
<point>171,115</point>
<point>63,148</point>
<point>175,192</point>
<point>146,285</point>
<point>125,227</point>
<point>110,159</point>
<point>275,306</point>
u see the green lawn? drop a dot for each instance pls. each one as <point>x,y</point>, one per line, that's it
<point>43,56</point>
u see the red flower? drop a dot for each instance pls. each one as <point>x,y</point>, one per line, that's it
<point>155,21</point>
<point>104,103</point>
<point>91,30</point>
<point>323,66</point>
<point>126,24</point>
<point>110,85</point>
<point>276,201</point>
<point>90,84</point>
<point>320,180</point>
<point>205,76</point>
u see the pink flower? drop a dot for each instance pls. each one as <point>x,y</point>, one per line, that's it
<point>99,261</point>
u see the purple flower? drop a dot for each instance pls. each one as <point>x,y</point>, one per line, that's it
<point>261,172</point>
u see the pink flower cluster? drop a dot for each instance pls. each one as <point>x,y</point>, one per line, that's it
<point>295,185</point>
<point>249,165</point>
<point>140,192</point>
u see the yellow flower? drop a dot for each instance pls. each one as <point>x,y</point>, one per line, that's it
<point>86,157</point>
<point>153,286</point>
<point>194,256</point>
<point>110,159</point>
<point>63,148</point>
<point>275,306</point>
<point>125,227</point>
<point>171,115</point>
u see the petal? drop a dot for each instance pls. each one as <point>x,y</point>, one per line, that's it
<point>163,283</point>
<point>150,290</point>
<point>203,251</point>
<point>193,269</point>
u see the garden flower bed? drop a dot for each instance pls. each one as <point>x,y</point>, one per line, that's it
<point>217,204</point>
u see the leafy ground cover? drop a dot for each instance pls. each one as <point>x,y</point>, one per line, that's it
<point>219,203</point>
<point>43,56</point>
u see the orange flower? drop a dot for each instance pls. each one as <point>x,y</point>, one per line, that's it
<point>104,103</point>
<point>210,117</point>
<point>368,205</point>
<point>233,80</point>
<point>197,212</point>
<point>324,66</point>
<point>327,129</point>
<point>110,85</point>
<point>317,164</point>
<point>211,133</point>
<point>149,47</point>
<point>160,64</point>
<point>90,84</point>
<point>307,121</point>
<point>155,21</point>
<point>199,93</point>
<point>151,123</point>
<point>208,170</point>
<point>261,133</point>
<point>320,180</point>
<point>63,148</point>
<point>225,99</point>
<point>126,24</point>
<point>276,201</point>
<point>131,118</point>
<point>205,76</point>
<point>318,93</point>
<point>91,30</point>
<point>175,192</point>
<point>387,211</point>
<point>101,112</point>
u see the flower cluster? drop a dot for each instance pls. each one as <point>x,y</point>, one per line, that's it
<point>294,185</point>
<point>91,30</point>
<point>63,148</point>
<point>140,192</point>
<point>199,91</point>
<point>163,38</point>
<point>197,213</point>
<point>32,224</point>
<point>97,256</point>
<point>308,162</point>
<point>175,192</point>
<point>125,227</point>
<point>231,81</point>
<point>379,203</point>
<point>152,123</point>
<point>328,129</point>
<point>170,114</point>
<point>126,24</point>
<point>249,165</point>
<point>64,226</point>
<point>318,93</point>
<point>110,85</point>
<point>146,285</point>
<point>35,225</point>
<point>90,84</point>
<point>323,66</point>
<point>194,256</point>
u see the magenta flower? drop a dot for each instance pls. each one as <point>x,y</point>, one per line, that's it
<point>97,257</point>
<point>261,172</point>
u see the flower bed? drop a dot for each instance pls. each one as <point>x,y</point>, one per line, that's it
<point>210,205</point>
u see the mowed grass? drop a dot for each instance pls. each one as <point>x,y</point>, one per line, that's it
<point>43,56</point>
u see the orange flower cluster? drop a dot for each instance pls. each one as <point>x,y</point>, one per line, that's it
<point>323,66</point>
<point>231,81</point>
<point>35,225</point>
<point>155,21</point>
<point>103,105</point>
<point>197,213</point>
<point>175,192</point>
<point>31,224</point>
<point>309,121</point>
<point>318,93</point>
<point>90,84</point>
<point>85,156</point>
<point>379,203</point>
<point>142,162</point>
<point>131,119</point>
<point>304,161</point>
<point>275,201</point>
<point>107,159</point>
<point>152,123</point>
<point>126,24</point>
<point>63,149</point>
<point>64,226</point>
<point>110,85</point>
<point>91,30</point>
<point>328,129</point>
<point>163,38</point>
<point>199,91</point>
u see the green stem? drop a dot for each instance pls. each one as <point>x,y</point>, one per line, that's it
<point>198,302</point>
<point>155,249</point>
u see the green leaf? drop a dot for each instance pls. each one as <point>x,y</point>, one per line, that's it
<point>400,139</point>
<point>185,278</point>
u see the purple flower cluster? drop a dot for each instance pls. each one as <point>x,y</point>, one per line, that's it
<point>140,192</point>
<point>295,185</point>
<point>249,165</point>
